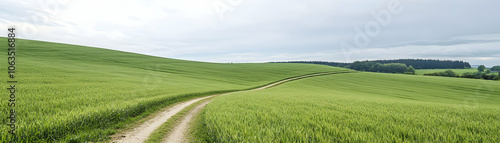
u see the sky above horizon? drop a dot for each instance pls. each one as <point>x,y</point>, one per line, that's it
<point>264,31</point>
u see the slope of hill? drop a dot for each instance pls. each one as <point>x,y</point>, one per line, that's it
<point>74,92</point>
<point>358,107</point>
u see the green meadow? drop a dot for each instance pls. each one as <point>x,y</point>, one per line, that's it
<point>70,93</point>
<point>358,107</point>
<point>75,93</point>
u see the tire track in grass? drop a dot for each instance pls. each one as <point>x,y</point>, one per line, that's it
<point>141,133</point>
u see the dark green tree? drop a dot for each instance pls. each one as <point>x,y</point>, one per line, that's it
<point>497,77</point>
<point>410,69</point>
<point>495,68</point>
<point>488,71</point>
<point>449,73</point>
<point>481,68</point>
<point>468,75</point>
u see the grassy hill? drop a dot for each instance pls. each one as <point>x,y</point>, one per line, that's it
<point>74,93</point>
<point>358,107</point>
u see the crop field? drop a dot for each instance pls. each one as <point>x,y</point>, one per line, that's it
<point>359,107</point>
<point>69,93</point>
<point>75,93</point>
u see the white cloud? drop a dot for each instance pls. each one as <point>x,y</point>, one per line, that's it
<point>260,31</point>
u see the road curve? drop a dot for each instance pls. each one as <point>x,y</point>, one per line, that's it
<point>141,133</point>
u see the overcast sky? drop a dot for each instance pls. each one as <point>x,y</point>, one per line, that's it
<point>268,30</point>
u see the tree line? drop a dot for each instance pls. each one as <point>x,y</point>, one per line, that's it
<point>365,66</point>
<point>429,63</point>
<point>415,63</point>
<point>480,74</point>
<point>384,68</point>
<point>408,66</point>
<point>495,68</point>
<point>393,66</point>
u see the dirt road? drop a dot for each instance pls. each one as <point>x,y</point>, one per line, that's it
<point>142,132</point>
<point>178,134</point>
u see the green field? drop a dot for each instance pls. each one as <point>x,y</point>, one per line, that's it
<point>76,93</point>
<point>359,107</point>
<point>457,71</point>
<point>69,93</point>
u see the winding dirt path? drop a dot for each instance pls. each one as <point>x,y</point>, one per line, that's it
<point>178,134</point>
<point>142,132</point>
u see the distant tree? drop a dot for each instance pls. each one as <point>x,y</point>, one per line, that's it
<point>468,75</point>
<point>393,68</point>
<point>488,77</point>
<point>428,63</point>
<point>449,73</point>
<point>410,69</point>
<point>488,71</point>
<point>497,77</point>
<point>495,68</point>
<point>478,75</point>
<point>481,68</point>
<point>376,65</point>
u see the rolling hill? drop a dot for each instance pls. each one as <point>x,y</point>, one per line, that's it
<point>358,107</point>
<point>69,92</point>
